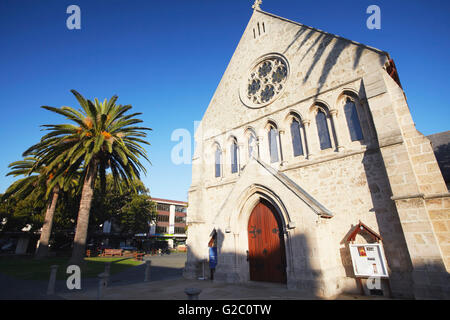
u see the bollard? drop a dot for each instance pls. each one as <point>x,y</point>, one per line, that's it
<point>101,285</point>
<point>52,280</point>
<point>192,293</point>
<point>148,265</point>
<point>107,271</point>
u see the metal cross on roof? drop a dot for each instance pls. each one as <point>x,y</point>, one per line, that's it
<point>257,4</point>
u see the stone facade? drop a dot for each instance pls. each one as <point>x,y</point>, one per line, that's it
<point>389,180</point>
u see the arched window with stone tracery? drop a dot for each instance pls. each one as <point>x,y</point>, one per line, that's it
<point>296,135</point>
<point>353,124</point>
<point>218,161</point>
<point>273,137</point>
<point>234,156</point>
<point>252,146</point>
<point>323,129</point>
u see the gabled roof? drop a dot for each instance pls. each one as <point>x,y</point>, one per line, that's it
<point>315,205</point>
<point>362,227</point>
<point>241,185</point>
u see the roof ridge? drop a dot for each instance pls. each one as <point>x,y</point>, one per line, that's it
<point>325,32</point>
<point>168,200</point>
<point>310,200</point>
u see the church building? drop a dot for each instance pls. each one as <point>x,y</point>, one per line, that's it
<point>307,148</point>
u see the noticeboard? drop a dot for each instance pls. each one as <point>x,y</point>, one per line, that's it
<point>368,260</point>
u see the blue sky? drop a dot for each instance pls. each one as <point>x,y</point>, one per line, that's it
<point>166,59</point>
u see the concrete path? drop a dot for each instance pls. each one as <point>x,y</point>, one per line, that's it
<point>174,290</point>
<point>16,289</point>
<point>167,284</point>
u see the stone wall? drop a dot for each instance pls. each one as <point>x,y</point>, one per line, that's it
<point>355,188</point>
<point>411,169</point>
<point>439,213</point>
<point>318,62</point>
<point>389,180</point>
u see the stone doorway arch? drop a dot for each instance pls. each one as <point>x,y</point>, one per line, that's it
<point>238,226</point>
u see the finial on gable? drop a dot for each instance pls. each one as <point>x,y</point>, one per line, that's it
<point>257,4</point>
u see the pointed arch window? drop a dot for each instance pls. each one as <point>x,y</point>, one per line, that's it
<point>273,144</point>
<point>353,123</point>
<point>252,148</point>
<point>234,157</point>
<point>323,130</point>
<point>296,137</point>
<point>218,162</point>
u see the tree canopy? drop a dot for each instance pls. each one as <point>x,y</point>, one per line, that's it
<point>130,208</point>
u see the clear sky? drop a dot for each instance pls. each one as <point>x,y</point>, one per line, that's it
<point>166,59</point>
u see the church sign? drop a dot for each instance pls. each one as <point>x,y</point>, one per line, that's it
<point>368,260</point>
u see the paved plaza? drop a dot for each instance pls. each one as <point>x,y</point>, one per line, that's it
<point>165,267</point>
<point>174,290</point>
<point>170,285</point>
<point>166,283</point>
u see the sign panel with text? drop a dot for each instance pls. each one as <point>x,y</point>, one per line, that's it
<point>368,260</point>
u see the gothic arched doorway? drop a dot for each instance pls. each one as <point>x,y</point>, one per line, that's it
<point>266,250</point>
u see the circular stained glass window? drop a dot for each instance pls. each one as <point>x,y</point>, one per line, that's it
<point>266,81</point>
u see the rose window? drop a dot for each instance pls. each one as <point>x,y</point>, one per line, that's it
<point>266,81</point>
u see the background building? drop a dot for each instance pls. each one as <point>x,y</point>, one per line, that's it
<point>167,231</point>
<point>170,224</point>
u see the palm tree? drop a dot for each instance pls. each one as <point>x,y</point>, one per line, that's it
<point>103,137</point>
<point>35,181</point>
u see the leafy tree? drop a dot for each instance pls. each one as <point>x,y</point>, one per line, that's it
<point>103,137</point>
<point>136,214</point>
<point>34,185</point>
<point>108,203</point>
<point>16,213</point>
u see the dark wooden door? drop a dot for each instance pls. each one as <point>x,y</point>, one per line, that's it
<point>266,252</point>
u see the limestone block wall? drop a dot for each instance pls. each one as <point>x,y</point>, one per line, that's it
<point>429,177</point>
<point>350,181</point>
<point>389,180</point>
<point>304,267</point>
<point>356,188</point>
<point>410,182</point>
<point>439,213</point>
<point>227,207</point>
<point>317,62</point>
<point>426,169</point>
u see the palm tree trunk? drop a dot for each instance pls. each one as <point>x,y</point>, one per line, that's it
<point>79,242</point>
<point>42,250</point>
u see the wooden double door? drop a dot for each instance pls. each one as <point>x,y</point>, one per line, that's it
<point>266,254</point>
